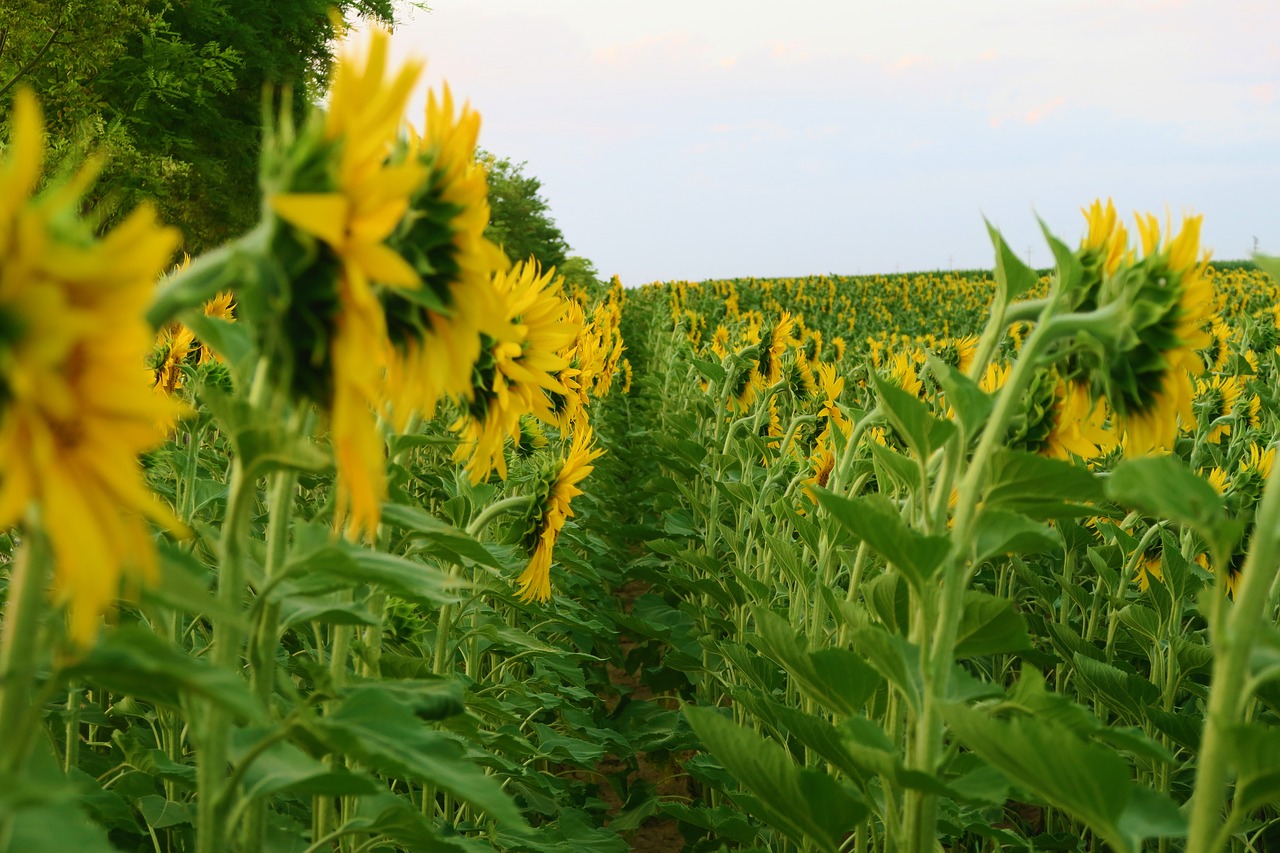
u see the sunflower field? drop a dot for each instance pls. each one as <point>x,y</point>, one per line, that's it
<point>355,535</point>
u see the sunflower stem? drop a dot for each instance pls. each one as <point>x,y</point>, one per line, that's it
<point>924,742</point>
<point>19,653</point>
<point>228,640</point>
<point>1233,630</point>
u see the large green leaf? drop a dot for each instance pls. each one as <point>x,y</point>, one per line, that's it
<point>1164,487</point>
<point>997,533</point>
<point>805,804</point>
<point>133,661</point>
<point>989,626</point>
<point>972,405</point>
<point>895,658</point>
<point>441,538</point>
<point>324,565</point>
<point>1013,277</point>
<point>282,767</point>
<point>923,432</point>
<point>1255,752</point>
<point>1125,693</point>
<point>875,520</point>
<point>837,678</point>
<point>1040,487</point>
<point>1083,778</point>
<point>378,725</point>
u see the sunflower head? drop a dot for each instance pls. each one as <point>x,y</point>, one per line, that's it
<point>1146,373</point>
<point>77,405</point>
<point>1101,253</point>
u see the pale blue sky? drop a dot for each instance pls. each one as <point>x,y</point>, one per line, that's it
<point>717,138</point>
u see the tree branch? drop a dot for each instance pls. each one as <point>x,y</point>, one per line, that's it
<point>35,60</point>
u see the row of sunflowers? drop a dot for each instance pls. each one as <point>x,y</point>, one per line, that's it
<point>1005,542</point>
<point>291,478</point>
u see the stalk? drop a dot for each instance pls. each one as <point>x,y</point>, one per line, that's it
<point>925,743</point>
<point>1233,631</point>
<point>19,651</point>
<point>227,643</point>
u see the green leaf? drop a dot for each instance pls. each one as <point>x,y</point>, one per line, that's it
<point>895,658</point>
<point>1013,277</point>
<point>283,767</point>
<point>230,340</point>
<point>893,467</point>
<point>1038,486</point>
<point>41,803</point>
<point>159,812</point>
<point>378,725</point>
<point>442,538</point>
<point>1164,487</point>
<point>805,804</point>
<point>972,405</point>
<point>396,817</point>
<point>262,442</point>
<point>875,520</point>
<point>1085,779</point>
<point>1255,752</point>
<point>722,821</point>
<point>331,565</point>
<point>836,678</point>
<point>911,417</point>
<point>997,533</point>
<point>333,608</point>
<point>989,626</point>
<point>1126,694</point>
<point>133,661</point>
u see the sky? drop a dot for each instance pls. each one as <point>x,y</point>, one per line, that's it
<point>694,139</point>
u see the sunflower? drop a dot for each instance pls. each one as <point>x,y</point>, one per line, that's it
<point>1102,251</point>
<point>904,374</point>
<point>516,367</point>
<point>1078,424</point>
<point>535,581</point>
<point>75,409</point>
<point>220,307</point>
<point>1252,472</point>
<point>436,329</point>
<point>173,348</point>
<point>1217,399</point>
<point>1150,565</point>
<point>350,204</point>
<point>1148,381</point>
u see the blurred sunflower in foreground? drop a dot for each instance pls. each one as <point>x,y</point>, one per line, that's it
<point>76,407</point>
<point>344,194</point>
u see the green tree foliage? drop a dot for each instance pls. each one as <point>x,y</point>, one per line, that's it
<point>520,218</point>
<point>170,91</point>
<point>520,222</point>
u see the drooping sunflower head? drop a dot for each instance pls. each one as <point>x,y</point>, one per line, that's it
<point>517,366</point>
<point>800,377</point>
<point>439,325</point>
<point>552,511</point>
<point>1168,301</point>
<point>77,405</point>
<point>957,352</point>
<point>337,189</point>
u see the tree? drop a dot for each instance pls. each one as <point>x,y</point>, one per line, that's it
<point>519,217</point>
<point>170,91</point>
